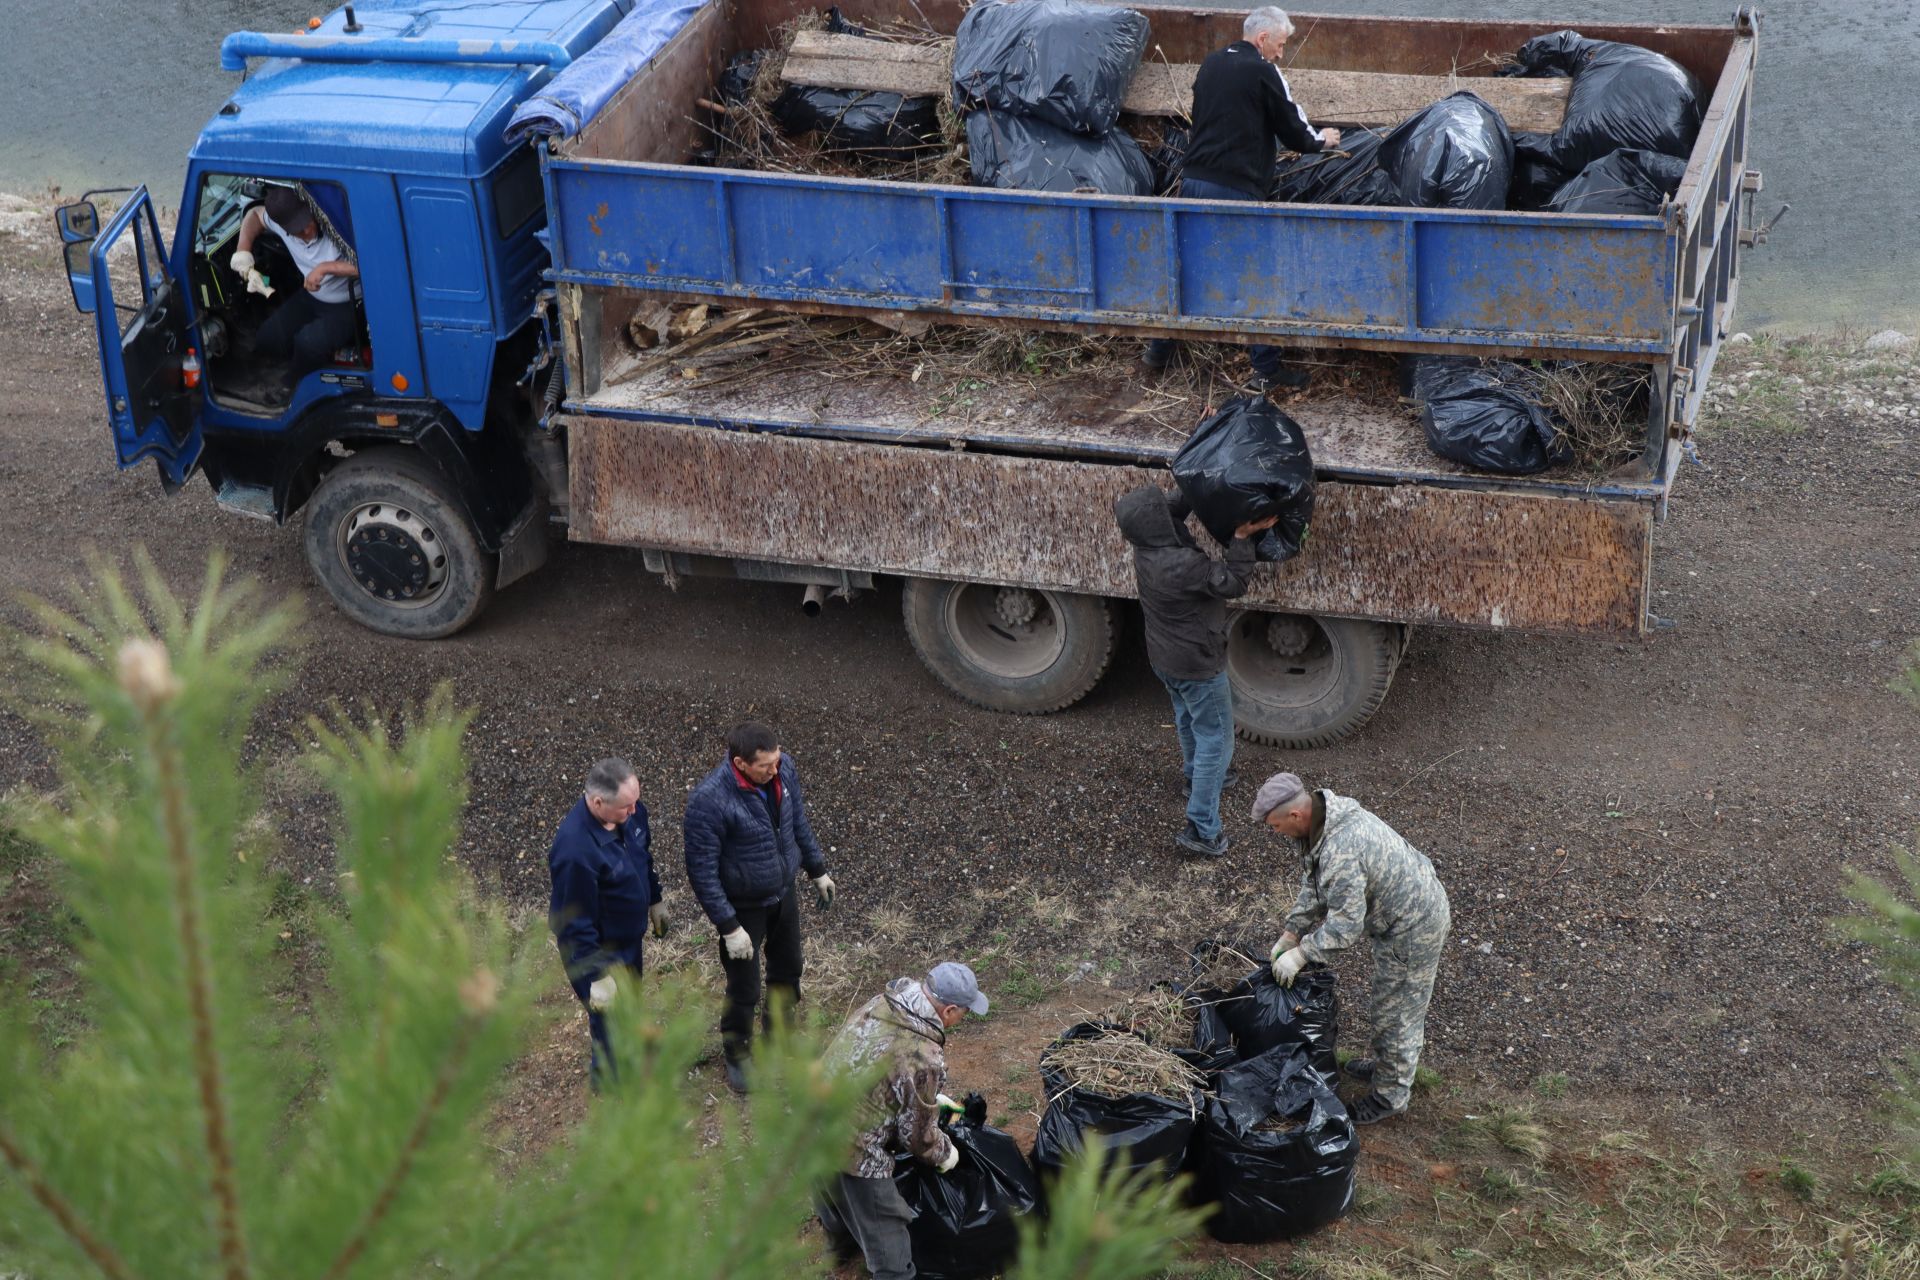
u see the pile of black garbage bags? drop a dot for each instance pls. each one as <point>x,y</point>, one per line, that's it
<point>1243,463</point>
<point>1041,83</point>
<point>1268,1142</point>
<point>1632,118</point>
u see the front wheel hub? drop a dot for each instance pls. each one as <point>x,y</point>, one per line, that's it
<point>1016,606</point>
<point>393,554</point>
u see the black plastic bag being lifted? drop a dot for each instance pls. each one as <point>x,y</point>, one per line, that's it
<point>1624,182</point>
<point>1623,97</point>
<point>1029,155</point>
<point>1259,1015</point>
<point>966,1224</point>
<point>1062,62</point>
<point>1142,1130</point>
<point>1474,416</point>
<point>1455,154</point>
<point>1349,174</point>
<point>1245,463</point>
<point>885,126</point>
<point>1269,1183</point>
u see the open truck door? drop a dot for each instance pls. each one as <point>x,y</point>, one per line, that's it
<point>119,274</point>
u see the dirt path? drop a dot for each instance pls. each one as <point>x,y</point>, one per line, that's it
<point>1643,842</point>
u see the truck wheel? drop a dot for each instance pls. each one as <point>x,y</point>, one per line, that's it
<point>394,547</point>
<point>1012,649</point>
<point>1301,681</point>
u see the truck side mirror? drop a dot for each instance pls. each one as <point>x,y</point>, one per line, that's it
<point>79,223</point>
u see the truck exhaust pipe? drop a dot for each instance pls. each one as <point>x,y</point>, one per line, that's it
<point>814,600</point>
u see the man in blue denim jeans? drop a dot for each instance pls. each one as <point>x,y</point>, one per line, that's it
<point>1184,593</point>
<point>1241,106</point>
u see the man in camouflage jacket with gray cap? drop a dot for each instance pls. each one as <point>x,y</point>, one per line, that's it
<point>1361,876</point>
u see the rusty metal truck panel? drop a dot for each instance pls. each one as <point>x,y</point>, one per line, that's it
<point>1397,553</point>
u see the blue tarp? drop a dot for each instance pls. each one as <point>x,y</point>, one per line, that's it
<point>563,108</point>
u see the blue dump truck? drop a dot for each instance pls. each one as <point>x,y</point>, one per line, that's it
<point>522,187</point>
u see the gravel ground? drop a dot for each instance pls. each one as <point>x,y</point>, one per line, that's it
<point>1643,842</point>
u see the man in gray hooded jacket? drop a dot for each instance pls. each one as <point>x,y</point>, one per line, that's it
<point>1184,594</point>
<point>1360,876</point>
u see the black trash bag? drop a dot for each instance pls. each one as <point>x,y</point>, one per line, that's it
<point>1142,1130</point>
<point>1474,415</point>
<point>1247,462</point>
<point>1536,176</point>
<point>736,82</point>
<point>1455,154</point>
<point>966,1224</point>
<point>1624,182</point>
<point>1349,174</point>
<point>1261,1015</point>
<point>1272,1183</point>
<point>1028,155</point>
<point>884,126</point>
<point>838,25</point>
<point>1062,62</point>
<point>1623,97</point>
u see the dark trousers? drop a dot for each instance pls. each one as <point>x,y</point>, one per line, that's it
<point>601,1065</point>
<point>775,932</point>
<point>877,1218</point>
<point>307,330</point>
<point>1160,351</point>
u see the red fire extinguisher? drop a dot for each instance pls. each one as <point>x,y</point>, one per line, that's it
<point>190,369</point>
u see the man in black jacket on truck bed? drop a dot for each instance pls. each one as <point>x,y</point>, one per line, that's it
<point>1241,105</point>
<point>1184,594</point>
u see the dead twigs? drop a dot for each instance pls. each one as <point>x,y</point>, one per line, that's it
<point>1116,1063</point>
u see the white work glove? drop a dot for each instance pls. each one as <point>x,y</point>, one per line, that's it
<point>739,945</point>
<point>657,919</point>
<point>1329,138</point>
<point>953,1158</point>
<point>1288,966</point>
<point>1288,941</point>
<point>601,994</point>
<point>823,891</point>
<point>241,262</point>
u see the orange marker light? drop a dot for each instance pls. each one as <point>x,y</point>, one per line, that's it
<point>399,382</point>
<point>313,24</point>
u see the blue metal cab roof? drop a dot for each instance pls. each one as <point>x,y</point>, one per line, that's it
<point>444,118</point>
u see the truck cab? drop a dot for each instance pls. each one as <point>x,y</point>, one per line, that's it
<point>410,432</point>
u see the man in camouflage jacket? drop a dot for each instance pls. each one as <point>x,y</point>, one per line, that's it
<point>904,1031</point>
<point>1361,876</point>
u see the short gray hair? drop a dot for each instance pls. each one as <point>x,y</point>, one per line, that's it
<point>605,779</point>
<point>1267,20</point>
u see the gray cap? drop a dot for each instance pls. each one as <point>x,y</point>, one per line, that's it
<point>953,983</point>
<point>1276,791</point>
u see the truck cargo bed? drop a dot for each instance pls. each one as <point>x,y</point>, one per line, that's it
<point>1135,418</point>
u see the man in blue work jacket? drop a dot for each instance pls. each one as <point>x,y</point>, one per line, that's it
<point>605,895</point>
<point>747,838</point>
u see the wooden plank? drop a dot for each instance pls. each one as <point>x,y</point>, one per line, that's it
<point>1369,98</point>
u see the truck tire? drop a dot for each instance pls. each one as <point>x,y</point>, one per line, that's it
<point>1302,681</point>
<point>1015,649</point>
<point>394,547</point>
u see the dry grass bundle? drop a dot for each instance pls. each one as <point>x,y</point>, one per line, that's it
<point>1116,1063</point>
<point>1161,1016</point>
<point>1224,966</point>
<point>1277,1124</point>
<point>1601,409</point>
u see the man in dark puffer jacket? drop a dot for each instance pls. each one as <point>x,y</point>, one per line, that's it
<point>1184,594</point>
<point>747,837</point>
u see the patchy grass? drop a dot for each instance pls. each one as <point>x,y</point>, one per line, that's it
<point>1552,1086</point>
<point>1802,1183</point>
<point>1767,387</point>
<point>36,941</point>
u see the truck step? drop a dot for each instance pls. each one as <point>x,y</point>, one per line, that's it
<point>254,501</point>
